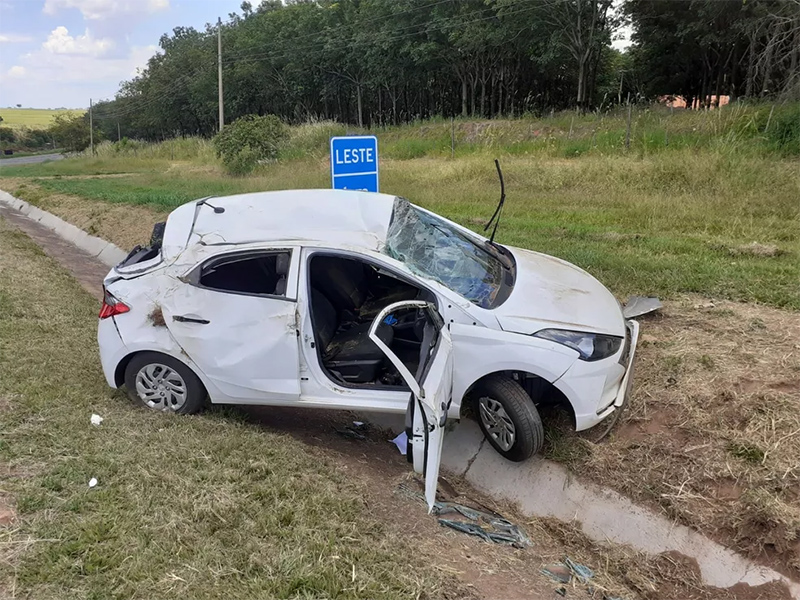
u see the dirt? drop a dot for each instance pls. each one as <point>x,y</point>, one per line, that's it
<point>711,435</point>
<point>756,249</point>
<point>7,514</point>
<point>85,268</point>
<point>156,317</point>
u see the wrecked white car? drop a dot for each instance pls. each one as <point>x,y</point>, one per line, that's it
<point>361,301</point>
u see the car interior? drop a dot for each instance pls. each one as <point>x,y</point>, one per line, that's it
<point>250,273</point>
<point>346,295</point>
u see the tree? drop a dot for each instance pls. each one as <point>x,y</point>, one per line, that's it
<point>72,132</point>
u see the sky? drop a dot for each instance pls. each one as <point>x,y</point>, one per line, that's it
<point>61,53</point>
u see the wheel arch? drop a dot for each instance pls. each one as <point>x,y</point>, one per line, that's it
<point>122,365</point>
<point>536,386</point>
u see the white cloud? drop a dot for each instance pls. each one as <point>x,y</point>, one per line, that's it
<point>104,9</point>
<point>61,42</point>
<point>45,78</point>
<point>14,38</point>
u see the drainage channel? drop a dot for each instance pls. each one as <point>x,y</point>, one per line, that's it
<point>543,488</point>
<point>539,487</point>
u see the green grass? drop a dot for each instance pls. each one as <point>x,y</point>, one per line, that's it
<point>658,219</point>
<point>35,118</point>
<point>656,225</point>
<point>207,506</point>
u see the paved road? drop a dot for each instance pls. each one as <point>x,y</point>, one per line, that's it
<point>28,160</point>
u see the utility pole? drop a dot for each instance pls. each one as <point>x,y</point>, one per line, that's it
<point>219,73</point>
<point>119,137</point>
<point>91,128</point>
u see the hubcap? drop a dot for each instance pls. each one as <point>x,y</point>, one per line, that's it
<point>160,387</point>
<point>497,422</point>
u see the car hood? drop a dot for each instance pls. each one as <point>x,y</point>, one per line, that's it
<point>552,293</point>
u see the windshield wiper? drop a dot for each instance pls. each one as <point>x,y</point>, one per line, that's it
<point>496,216</point>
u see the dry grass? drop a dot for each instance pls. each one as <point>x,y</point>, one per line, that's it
<point>124,225</point>
<point>712,434</point>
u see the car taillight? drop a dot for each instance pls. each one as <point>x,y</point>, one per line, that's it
<point>112,306</point>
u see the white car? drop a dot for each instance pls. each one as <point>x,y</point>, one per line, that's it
<point>362,301</point>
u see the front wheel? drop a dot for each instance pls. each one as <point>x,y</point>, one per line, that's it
<point>508,418</point>
<point>163,383</point>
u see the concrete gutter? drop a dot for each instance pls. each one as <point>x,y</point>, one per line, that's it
<point>544,488</point>
<point>104,251</point>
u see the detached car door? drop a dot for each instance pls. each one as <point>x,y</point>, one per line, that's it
<point>235,321</point>
<point>431,387</point>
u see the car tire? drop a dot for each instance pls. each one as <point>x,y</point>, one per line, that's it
<point>498,402</point>
<point>161,382</point>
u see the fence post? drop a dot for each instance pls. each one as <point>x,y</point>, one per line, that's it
<point>628,127</point>
<point>572,121</point>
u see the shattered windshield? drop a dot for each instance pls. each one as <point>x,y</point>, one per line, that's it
<point>433,248</point>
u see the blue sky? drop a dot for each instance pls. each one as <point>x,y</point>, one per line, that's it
<point>56,53</point>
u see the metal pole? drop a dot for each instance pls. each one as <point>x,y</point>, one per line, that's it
<point>219,73</point>
<point>91,129</point>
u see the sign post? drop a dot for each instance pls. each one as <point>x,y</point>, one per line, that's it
<point>354,163</point>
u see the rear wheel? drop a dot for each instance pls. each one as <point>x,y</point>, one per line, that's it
<point>507,417</point>
<point>163,383</point>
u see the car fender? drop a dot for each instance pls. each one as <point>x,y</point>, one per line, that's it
<point>479,351</point>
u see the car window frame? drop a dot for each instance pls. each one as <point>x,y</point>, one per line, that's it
<point>193,277</point>
<point>378,262</point>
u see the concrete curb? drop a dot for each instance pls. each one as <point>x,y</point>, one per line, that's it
<point>104,251</point>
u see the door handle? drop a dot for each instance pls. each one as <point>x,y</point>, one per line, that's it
<point>183,319</point>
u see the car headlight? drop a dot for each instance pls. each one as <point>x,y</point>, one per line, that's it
<point>590,346</point>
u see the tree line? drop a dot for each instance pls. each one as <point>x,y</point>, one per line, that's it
<point>377,62</point>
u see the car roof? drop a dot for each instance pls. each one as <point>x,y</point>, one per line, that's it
<point>337,217</point>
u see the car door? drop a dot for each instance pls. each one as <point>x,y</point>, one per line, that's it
<point>236,320</point>
<point>431,388</point>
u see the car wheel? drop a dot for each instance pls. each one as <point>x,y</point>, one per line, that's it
<point>508,418</point>
<point>163,383</point>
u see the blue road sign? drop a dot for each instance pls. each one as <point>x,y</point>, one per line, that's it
<point>354,163</point>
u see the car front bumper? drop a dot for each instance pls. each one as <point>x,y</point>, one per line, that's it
<point>598,389</point>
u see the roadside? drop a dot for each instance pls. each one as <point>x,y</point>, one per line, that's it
<point>228,468</point>
<point>711,435</point>
<point>29,158</point>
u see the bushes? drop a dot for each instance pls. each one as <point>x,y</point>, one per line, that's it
<point>248,141</point>
<point>783,134</point>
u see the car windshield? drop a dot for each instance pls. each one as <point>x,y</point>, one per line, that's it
<point>433,248</point>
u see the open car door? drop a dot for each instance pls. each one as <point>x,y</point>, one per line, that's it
<point>431,388</point>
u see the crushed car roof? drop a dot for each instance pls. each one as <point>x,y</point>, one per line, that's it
<point>333,216</point>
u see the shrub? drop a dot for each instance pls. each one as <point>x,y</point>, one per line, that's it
<point>784,130</point>
<point>248,141</point>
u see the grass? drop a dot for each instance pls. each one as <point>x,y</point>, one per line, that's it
<point>34,118</point>
<point>658,225</point>
<point>202,507</point>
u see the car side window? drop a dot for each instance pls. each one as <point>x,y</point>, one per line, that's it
<point>258,274</point>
